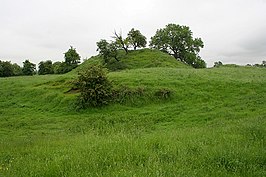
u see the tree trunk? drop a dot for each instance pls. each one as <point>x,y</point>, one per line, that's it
<point>175,55</point>
<point>125,49</point>
<point>121,41</point>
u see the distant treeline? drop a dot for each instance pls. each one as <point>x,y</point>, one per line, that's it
<point>219,63</point>
<point>176,40</point>
<point>72,59</point>
<point>262,65</point>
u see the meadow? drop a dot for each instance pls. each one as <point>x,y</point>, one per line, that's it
<point>212,124</point>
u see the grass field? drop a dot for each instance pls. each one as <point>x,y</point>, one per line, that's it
<point>212,125</point>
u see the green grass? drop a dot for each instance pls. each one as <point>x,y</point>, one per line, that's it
<point>144,58</point>
<point>212,125</point>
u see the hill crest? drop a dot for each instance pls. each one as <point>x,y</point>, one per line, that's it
<point>143,58</point>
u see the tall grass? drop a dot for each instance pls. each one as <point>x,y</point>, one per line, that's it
<point>212,125</point>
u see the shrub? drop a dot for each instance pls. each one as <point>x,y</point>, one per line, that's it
<point>95,88</point>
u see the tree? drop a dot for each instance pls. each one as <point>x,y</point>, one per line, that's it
<point>136,39</point>
<point>56,67</point>
<point>6,69</point>
<point>17,70</point>
<point>263,64</point>
<point>72,58</point>
<point>107,50</point>
<point>178,41</point>
<point>195,63</point>
<point>218,64</point>
<point>103,49</point>
<point>113,50</point>
<point>45,67</point>
<point>28,68</point>
<point>122,43</point>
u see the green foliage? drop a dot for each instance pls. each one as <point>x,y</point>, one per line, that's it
<point>195,63</point>
<point>56,67</point>
<point>94,86</point>
<point>61,67</point>
<point>102,47</point>
<point>6,69</point>
<point>122,43</point>
<point>262,65</point>
<point>45,67</point>
<point>178,41</point>
<point>72,58</point>
<point>217,64</point>
<point>136,39</point>
<point>28,68</point>
<point>17,70</point>
<point>107,50</point>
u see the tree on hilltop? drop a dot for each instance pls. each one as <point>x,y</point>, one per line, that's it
<point>122,43</point>
<point>217,64</point>
<point>178,41</point>
<point>108,50</point>
<point>136,39</point>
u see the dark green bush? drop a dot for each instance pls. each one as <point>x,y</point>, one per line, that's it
<point>95,88</point>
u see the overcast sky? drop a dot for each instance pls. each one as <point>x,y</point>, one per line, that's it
<point>233,31</point>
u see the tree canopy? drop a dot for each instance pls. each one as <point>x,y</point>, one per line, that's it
<point>72,58</point>
<point>107,50</point>
<point>45,67</point>
<point>28,68</point>
<point>136,39</point>
<point>122,43</point>
<point>177,40</point>
<point>6,69</point>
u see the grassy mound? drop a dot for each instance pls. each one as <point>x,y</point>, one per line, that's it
<point>213,125</point>
<point>144,58</point>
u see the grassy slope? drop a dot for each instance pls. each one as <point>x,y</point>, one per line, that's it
<point>144,58</point>
<point>214,125</point>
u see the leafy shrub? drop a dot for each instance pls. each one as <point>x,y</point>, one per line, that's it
<point>94,86</point>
